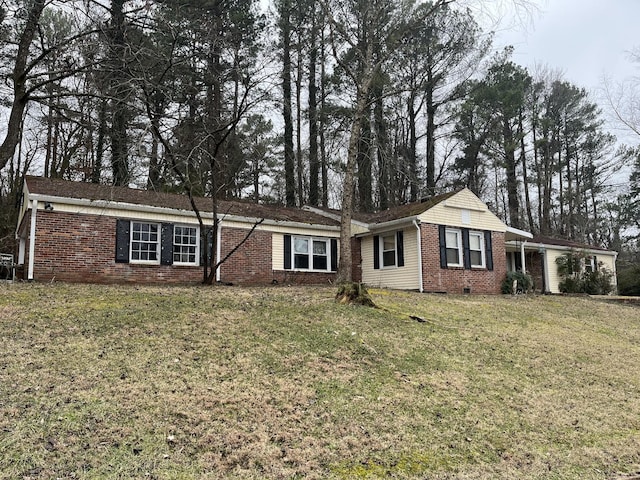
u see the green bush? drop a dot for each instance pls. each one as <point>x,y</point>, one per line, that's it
<point>629,281</point>
<point>576,280</point>
<point>524,283</point>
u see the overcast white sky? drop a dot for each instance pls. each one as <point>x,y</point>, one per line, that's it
<point>585,39</point>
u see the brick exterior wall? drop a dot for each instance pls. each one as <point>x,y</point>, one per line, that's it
<point>81,248</point>
<point>534,268</point>
<point>456,280</point>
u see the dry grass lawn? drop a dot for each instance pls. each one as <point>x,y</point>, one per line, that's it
<point>228,382</point>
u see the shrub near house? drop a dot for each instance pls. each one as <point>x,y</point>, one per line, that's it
<point>581,273</point>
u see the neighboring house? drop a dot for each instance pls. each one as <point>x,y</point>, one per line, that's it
<point>83,232</point>
<point>540,253</point>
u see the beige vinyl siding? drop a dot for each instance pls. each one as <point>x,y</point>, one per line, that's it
<point>608,262</point>
<point>607,259</point>
<point>277,251</point>
<point>466,210</point>
<point>404,278</point>
<point>552,268</point>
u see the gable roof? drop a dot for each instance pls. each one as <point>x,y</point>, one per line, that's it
<point>49,187</point>
<point>407,210</point>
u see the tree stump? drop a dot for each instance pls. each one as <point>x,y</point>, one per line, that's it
<point>354,293</point>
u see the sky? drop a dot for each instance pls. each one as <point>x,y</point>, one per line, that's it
<point>584,39</point>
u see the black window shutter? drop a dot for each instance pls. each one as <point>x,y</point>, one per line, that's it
<point>206,245</point>
<point>443,245</point>
<point>166,244</point>
<point>122,241</point>
<point>376,252</point>
<point>488,250</point>
<point>595,263</point>
<point>465,248</point>
<point>287,252</point>
<point>334,255</point>
<point>400,247</point>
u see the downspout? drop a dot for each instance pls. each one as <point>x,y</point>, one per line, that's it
<point>415,222</point>
<point>523,257</point>
<point>32,239</point>
<point>218,250</point>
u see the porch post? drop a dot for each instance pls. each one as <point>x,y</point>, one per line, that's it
<point>522,257</point>
<point>32,239</point>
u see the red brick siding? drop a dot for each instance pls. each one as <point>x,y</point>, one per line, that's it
<point>252,264</point>
<point>534,268</point>
<point>81,248</point>
<point>455,280</point>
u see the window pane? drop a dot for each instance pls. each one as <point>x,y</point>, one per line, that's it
<point>474,242</point>
<point>389,243</point>
<point>185,240</point>
<point>476,258</point>
<point>301,245</point>
<point>300,261</point>
<point>452,256</point>
<point>389,258</point>
<point>319,262</point>
<point>319,247</point>
<point>452,239</point>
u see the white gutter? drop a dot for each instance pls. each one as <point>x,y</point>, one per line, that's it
<point>32,239</point>
<point>376,227</point>
<point>519,233</point>
<point>415,222</point>
<point>533,246</point>
<point>174,211</point>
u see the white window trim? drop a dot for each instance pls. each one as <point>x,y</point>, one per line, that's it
<point>197,254</point>
<point>483,250</point>
<point>382,250</point>
<point>326,241</point>
<point>458,233</point>
<point>131,240</point>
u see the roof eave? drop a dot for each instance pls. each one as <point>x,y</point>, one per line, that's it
<point>175,211</point>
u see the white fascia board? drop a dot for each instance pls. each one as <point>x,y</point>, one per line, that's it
<point>548,246</point>
<point>519,233</point>
<point>380,227</point>
<point>173,211</point>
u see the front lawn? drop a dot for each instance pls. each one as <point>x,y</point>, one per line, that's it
<point>281,382</point>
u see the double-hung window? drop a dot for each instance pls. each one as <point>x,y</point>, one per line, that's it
<point>156,243</point>
<point>590,264</point>
<point>388,250</point>
<point>454,247</point>
<point>145,242</point>
<point>310,253</point>
<point>185,245</point>
<point>476,249</point>
<point>464,248</point>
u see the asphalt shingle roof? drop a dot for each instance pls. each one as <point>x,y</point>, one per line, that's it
<point>97,192</point>
<point>403,211</point>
